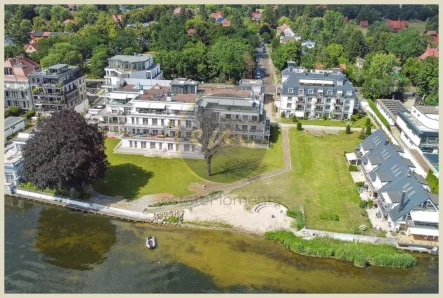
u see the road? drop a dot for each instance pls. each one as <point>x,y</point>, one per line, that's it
<point>267,70</point>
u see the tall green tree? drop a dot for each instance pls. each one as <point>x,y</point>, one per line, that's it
<point>62,53</point>
<point>378,77</point>
<point>288,52</point>
<point>334,21</point>
<point>406,43</point>
<point>59,13</point>
<point>356,45</point>
<point>99,61</point>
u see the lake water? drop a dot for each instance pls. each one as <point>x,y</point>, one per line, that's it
<point>54,250</point>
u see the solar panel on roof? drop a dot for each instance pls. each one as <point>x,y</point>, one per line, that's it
<point>411,194</point>
<point>409,189</point>
<point>406,185</point>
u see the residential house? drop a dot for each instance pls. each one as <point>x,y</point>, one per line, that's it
<point>402,197</point>
<point>13,125</point>
<point>258,86</point>
<point>31,48</point>
<point>434,35</point>
<point>309,44</point>
<point>57,88</point>
<point>397,25</point>
<point>16,82</point>
<point>419,128</point>
<point>192,31</point>
<point>256,16</point>
<point>285,30</point>
<point>226,23</point>
<point>389,108</point>
<point>216,15</point>
<point>178,10</point>
<point>13,162</point>
<point>138,66</point>
<point>118,19</point>
<point>284,39</point>
<point>316,93</point>
<point>430,52</point>
<point>364,24</point>
<point>37,35</point>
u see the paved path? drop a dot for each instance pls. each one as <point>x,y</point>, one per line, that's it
<point>318,127</point>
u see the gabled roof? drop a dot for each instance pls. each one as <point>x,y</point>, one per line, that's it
<point>192,31</point>
<point>363,24</point>
<point>226,23</point>
<point>21,67</point>
<point>375,140</point>
<point>216,15</point>
<point>117,18</point>
<point>430,52</point>
<point>220,19</point>
<point>177,10</point>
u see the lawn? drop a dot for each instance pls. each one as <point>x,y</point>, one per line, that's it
<point>133,176</point>
<point>319,181</point>
<point>418,25</point>
<point>338,123</point>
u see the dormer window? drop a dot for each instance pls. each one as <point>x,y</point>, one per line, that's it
<point>311,91</point>
<point>348,93</point>
<point>330,92</point>
<point>8,71</point>
<point>301,92</point>
<point>339,83</point>
<point>290,90</point>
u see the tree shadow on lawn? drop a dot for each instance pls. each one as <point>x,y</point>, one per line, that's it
<point>124,180</point>
<point>240,168</point>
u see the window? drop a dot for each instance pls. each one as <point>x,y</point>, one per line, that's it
<point>228,116</point>
<point>346,101</point>
<point>330,92</point>
<point>289,97</point>
<point>290,90</point>
<point>254,118</point>
<point>245,117</point>
<point>135,144</point>
<point>171,123</point>
<point>179,122</point>
<point>154,121</point>
<point>328,100</point>
<point>311,91</point>
<point>9,177</point>
<point>339,83</point>
<point>193,148</point>
<point>162,122</point>
<point>188,123</point>
<point>186,147</point>
<point>253,128</point>
<point>170,146</point>
<point>348,93</point>
<point>143,145</point>
<point>339,93</point>
<point>160,146</point>
<point>300,92</point>
<point>152,145</point>
<point>289,105</point>
<point>327,107</point>
<point>130,144</point>
<point>188,134</point>
<point>244,127</point>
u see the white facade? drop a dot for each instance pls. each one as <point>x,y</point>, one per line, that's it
<point>13,125</point>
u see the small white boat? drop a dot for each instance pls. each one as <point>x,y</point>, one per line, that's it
<point>150,242</point>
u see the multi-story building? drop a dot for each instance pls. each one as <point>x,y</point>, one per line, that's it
<point>138,66</point>
<point>16,82</point>
<point>419,128</point>
<point>402,196</point>
<point>316,93</point>
<point>13,162</point>
<point>57,88</point>
<point>159,121</point>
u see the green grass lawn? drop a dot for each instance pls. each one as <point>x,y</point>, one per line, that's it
<point>319,181</point>
<point>133,176</point>
<point>338,123</point>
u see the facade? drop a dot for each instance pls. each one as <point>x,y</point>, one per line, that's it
<point>389,108</point>
<point>159,121</point>
<point>308,44</point>
<point>16,82</point>
<point>402,197</point>
<point>138,66</point>
<point>13,125</point>
<point>316,93</point>
<point>31,48</point>
<point>57,88</point>
<point>419,128</point>
<point>258,86</point>
<point>13,161</point>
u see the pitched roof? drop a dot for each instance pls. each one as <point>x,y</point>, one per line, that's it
<point>363,24</point>
<point>21,67</point>
<point>34,45</point>
<point>255,14</point>
<point>117,18</point>
<point>376,140</point>
<point>220,19</point>
<point>282,28</point>
<point>177,10</point>
<point>430,52</point>
<point>395,25</point>
<point>46,34</point>
<point>69,21</point>
<point>226,23</point>
<point>192,31</point>
<point>432,33</point>
<point>216,15</point>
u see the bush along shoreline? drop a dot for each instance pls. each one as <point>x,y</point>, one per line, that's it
<point>360,254</point>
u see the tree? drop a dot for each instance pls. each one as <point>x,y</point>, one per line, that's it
<point>406,43</point>
<point>432,24</point>
<point>333,21</point>
<point>59,13</point>
<point>13,51</point>
<point>348,129</point>
<point>13,111</point>
<point>43,12</point>
<point>368,130</point>
<point>427,80</point>
<point>356,45</point>
<point>86,14</point>
<point>294,118</point>
<point>368,122</point>
<point>99,61</point>
<point>63,52</point>
<point>333,52</point>
<point>266,37</point>
<point>362,134</point>
<point>65,152</point>
<point>202,11</point>
<point>284,20</point>
<point>378,76</point>
<point>18,30</point>
<point>283,115</point>
<point>299,126</point>
<point>268,16</point>
<point>287,52</point>
<point>209,137</point>
<point>433,181</point>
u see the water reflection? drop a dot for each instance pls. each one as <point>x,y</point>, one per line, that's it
<point>73,240</point>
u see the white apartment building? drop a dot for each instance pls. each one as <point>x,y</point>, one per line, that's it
<point>159,121</point>
<point>138,66</point>
<point>316,93</point>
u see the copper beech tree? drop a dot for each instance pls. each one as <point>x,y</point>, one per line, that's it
<point>64,152</point>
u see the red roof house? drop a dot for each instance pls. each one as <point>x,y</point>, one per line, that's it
<point>364,24</point>
<point>397,25</point>
<point>226,23</point>
<point>191,31</point>
<point>178,10</point>
<point>430,52</point>
<point>434,34</point>
<point>19,68</point>
<point>216,15</point>
<point>117,18</point>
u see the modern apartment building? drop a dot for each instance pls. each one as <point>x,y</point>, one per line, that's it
<point>138,66</point>
<point>316,93</point>
<point>419,128</point>
<point>159,121</point>
<point>57,88</point>
<point>16,82</point>
<point>401,195</point>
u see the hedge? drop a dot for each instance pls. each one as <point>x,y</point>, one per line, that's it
<point>361,254</point>
<point>353,168</point>
<point>298,215</point>
<point>328,216</point>
<point>379,115</point>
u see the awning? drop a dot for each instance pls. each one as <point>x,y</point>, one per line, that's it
<point>351,156</point>
<point>424,231</point>
<point>425,216</point>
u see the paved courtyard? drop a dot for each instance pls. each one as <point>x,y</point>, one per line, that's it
<point>377,223</point>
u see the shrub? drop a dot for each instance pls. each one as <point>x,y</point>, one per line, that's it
<point>370,204</point>
<point>368,130</point>
<point>353,168</point>
<point>299,126</point>
<point>354,118</point>
<point>359,184</point>
<point>282,115</point>
<point>363,204</point>
<point>360,254</point>
<point>362,134</point>
<point>298,215</point>
<point>379,115</point>
<point>173,219</point>
<point>327,216</point>
<point>294,118</point>
<point>13,111</point>
<point>368,122</point>
<point>433,181</point>
<point>348,129</point>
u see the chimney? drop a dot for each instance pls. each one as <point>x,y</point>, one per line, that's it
<point>402,201</point>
